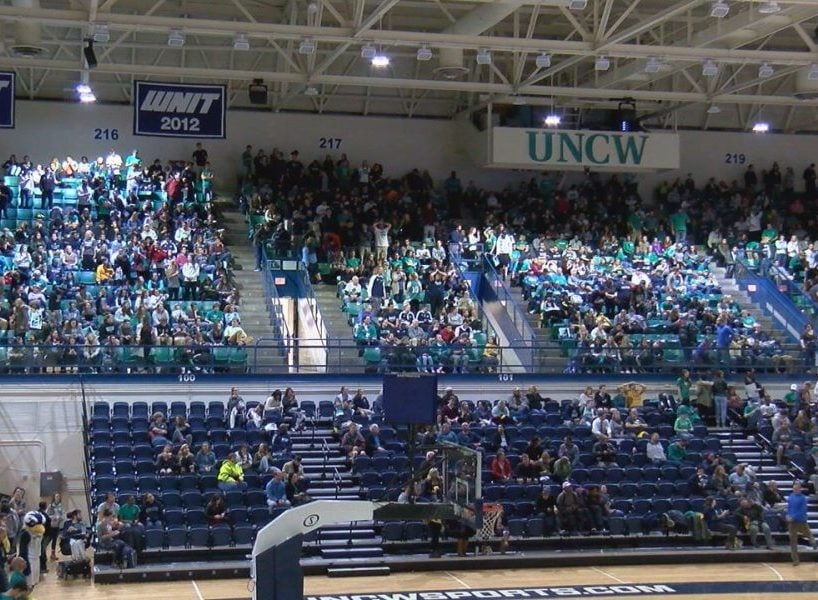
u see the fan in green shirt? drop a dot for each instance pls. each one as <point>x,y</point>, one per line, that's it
<point>215,315</point>
<point>129,512</point>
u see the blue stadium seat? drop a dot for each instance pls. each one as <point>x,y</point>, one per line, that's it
<point>121,409</point>
<point>243,535</point>
<point>392,531</point>
<point>198,537</point>
<point>535,527</point>
<point>103,453</point>
<point>159,406</point>
<point>170,498</point>
<point>192,499</point>
<point>176,537</point>
<point>255,497</point>
<point>221,535</point>
<point>105,484</point>
<point>415,530</point>
<point>239,514</point>
<point>516,527</point>
<point>103,468</point>
<point>101,409</point>
<point>195,516</point>
<point>174,518</point>
<point>154,539</point>
<point>259,516</point>
<point>139,409</point>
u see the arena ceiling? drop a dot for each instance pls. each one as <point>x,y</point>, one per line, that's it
<point>762,56</point>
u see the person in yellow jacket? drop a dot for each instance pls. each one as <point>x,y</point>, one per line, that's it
<point>231,475</point>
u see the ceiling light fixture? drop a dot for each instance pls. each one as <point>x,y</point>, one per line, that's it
<point>812,75</point>
<point>368,51</point>
<point>484,56</point>
<point>543,60</point>
<point>710,68</point>
<point>241,42</point>
<point>602,63</point>
<point>311,91</point>
<point>424,53</point>
<point>765,70</point>
<point>577,4</point>
<point>761,127</point>
<point>380,61</point>
<point>519,100</point>
<point>552,120</point>
<point>713,110</point>
<point>653,65</point>
<point>176,39</point>
<point>307,46</point>
<point>312,7</point>
<point>83,88</point>
<point>88,98</point>
<point>720,9</point>
<point>769,8</point>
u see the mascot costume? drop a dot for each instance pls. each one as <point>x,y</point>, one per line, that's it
<point>31,542</point>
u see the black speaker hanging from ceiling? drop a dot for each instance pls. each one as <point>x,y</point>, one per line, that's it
<point>90,55</point>
<point>257,92</point>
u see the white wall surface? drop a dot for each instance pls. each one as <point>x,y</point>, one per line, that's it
<point>46,129</point>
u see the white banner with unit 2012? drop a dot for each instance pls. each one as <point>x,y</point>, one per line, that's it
<point>180,110</point>
<point>558,149</point>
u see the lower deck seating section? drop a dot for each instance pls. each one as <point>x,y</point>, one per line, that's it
<point>554,469</point>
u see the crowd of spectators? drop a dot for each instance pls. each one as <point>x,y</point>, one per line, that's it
<point>626,285</point>
<point>131,264</point>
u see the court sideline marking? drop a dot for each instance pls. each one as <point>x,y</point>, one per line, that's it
<point>774,570</point>
<point>457,579</point>
<point>197,590</point>
<point>614,577</point>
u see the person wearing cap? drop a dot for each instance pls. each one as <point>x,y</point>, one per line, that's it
<point>677,450</point>
<point>569,509</point>
<point>231,475</point>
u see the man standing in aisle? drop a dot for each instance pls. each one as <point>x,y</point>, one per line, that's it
<point>797,521</point>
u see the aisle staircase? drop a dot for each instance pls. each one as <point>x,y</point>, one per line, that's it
<point>748,450</point>
<point>256,317</point>
<point>331,479</point>
<point>341,350</point>
<point>549,356</point>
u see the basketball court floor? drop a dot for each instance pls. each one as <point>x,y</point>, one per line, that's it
<point>743,581</point>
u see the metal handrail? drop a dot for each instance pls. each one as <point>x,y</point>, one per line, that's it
<point>309,295</point>
<point>188,361</point>
<point>784,282</point>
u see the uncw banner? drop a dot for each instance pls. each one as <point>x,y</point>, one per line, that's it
<point>599,150</point>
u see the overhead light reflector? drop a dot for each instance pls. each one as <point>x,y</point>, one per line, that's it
<point>88,98</point>
<point>653,65</point>
<point>761,127</point>
<point>102,34</point>
<point>710,69</point>
<point>602,63</point>
<point>577,4</point>
<point>307,46</point>
<point>424,53</point>
<point>83,88</point>
<point>543,60</point>
<point>241,42</point>
<point>720,9</point>
<point>483,56</point>
<point>368,51</point>
<point>311,91</point>
<point>176,39</point>
<point>713,110</point>
<point>812,75</point>
<point>552,120</point>
<point>769,8</point>
<point>765,70</point>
